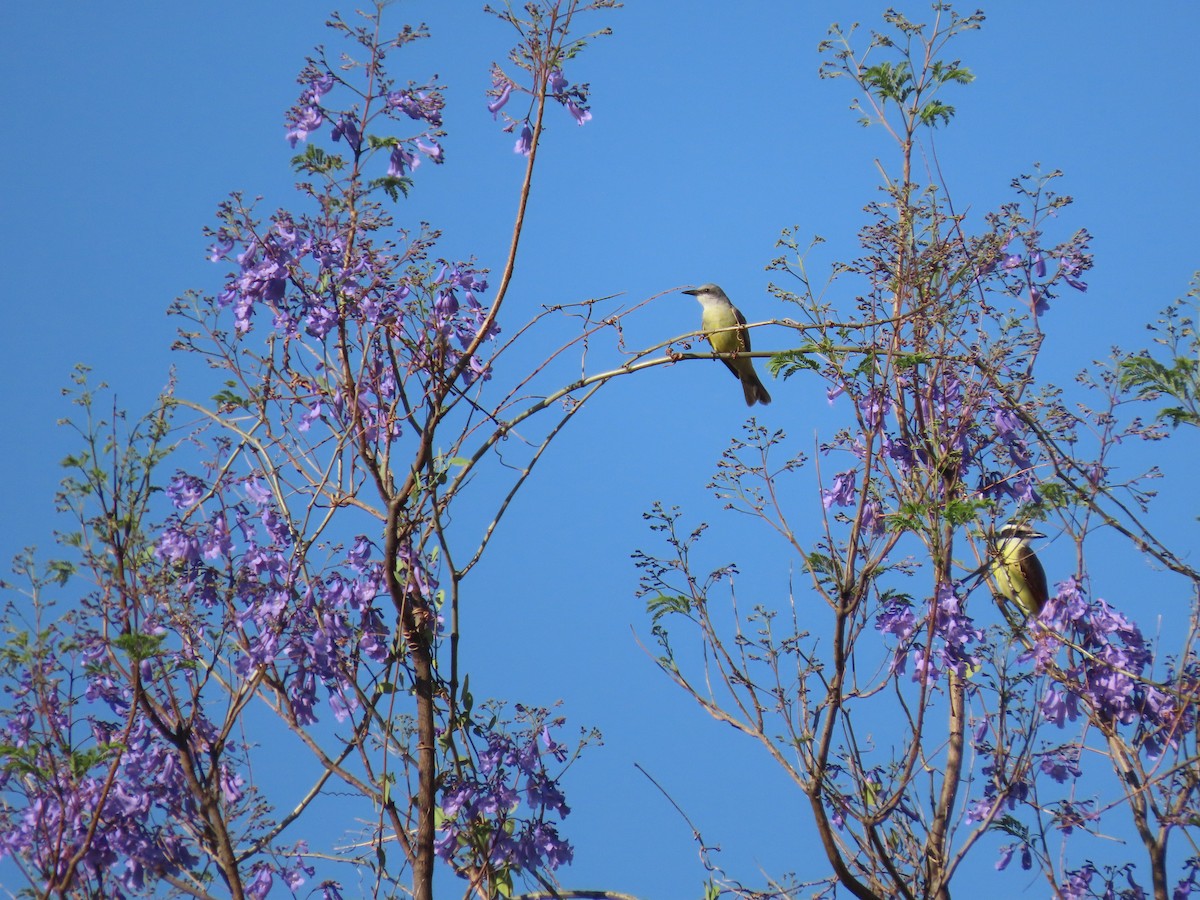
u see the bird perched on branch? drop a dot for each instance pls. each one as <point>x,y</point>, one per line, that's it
<point>726,331</point>
<point>1016,572</point>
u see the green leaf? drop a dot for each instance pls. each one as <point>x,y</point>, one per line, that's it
<point>314,160</point>
<point>789,362</point>
<point>139,646</point>
<point>666,605</point>
<point>227,401</point>
<point>393,186</point>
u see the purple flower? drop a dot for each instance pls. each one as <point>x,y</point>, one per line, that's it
<point>348,129</point>
<point>401,161</point>
<point>496,105</point>
<point>874,407</point>
<point>1039,265</point>
<point>446,305</point>
<point>321,86</point>
<point>360,554</point>
<point>320,321</point>
<point>978,812</point>
<point>1060,707</point>
<point>956,629</point>
<point>581,114</point>
<point>557,82</point>
<point>897,619</point>
<point>1061,765</point>
<point>433,150</point>
<point>221,248</point>
<point>185,490</point>
<point>477,369</point>
<point>1070,268</point>
<point>257,492</point>
<point>555,749</point>
<point>843,491</point>
<point>1037,300</point>
<point>311,415</point>
<point>872,518</point>
<point>524,143</point>
<point>419,105</point>
<point>1006,422</point>
<point>261,885</point>
<point>218,544</point>
<point>176,545</point>
<point>899,452</point>
<point>1022,490</point>
<point>304,123</point>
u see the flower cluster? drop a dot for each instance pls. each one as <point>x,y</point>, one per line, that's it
<point>309,627</point>
<point>953,630</point>
<point>403,310</point>
<point>117,804</point>
<point>1021,263</point>
<point>422,104</point>
<point>573,97</point>
<point>1110,676</point>
<point>483,821</point>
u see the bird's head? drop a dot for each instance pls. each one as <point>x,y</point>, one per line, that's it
<point>708,293</point>
<point>1018,530</point>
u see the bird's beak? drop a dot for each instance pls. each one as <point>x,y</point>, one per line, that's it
<point>692,291</point>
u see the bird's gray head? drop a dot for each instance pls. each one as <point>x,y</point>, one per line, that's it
<point>709,292</point>
<point>1017,530</point>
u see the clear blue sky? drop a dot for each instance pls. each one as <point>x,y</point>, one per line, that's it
<point>128,122</point>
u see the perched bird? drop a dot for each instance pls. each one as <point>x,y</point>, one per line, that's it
<point>726,327</point>
<point>1016,572</point>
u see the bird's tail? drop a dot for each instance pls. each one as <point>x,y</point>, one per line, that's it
<point>754,390</point>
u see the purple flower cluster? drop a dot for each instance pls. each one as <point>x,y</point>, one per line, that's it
<point>573,97</point>
<point>1027,275</point>
<point>483,820</point>
<point>953,630</point>
<point>312,629</point>
<point>141,812</point>
<point>1078,885</point>
<point>306,116</point>
<point>1110,675</point>
<point>302,271</point>
<point>119,805</point>
<point>422,104</point>
<point>457,317</point>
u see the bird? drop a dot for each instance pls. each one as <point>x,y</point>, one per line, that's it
<point>1016,572</point>
<point>726,331</point>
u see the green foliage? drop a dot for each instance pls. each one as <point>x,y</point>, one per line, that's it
<point>394,187</point>
<point>1149,379</point>
<point>662,605</point>
<point>897,87</point>
<point>906,361</point>
<point>226,400</point>
<point>790,362</point>
<point>140,646</point>
<point>315,161</point>
<point>960,512</point>
<point>60,570</point>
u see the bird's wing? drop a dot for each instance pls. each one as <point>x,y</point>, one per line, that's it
<point>743,332</point>
<point>1035,578</point>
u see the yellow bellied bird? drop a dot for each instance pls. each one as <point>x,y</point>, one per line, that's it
<point>1017,573</point>
<point>727,333</point>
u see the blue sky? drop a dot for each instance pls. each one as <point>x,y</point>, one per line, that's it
<point>129,122</point>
